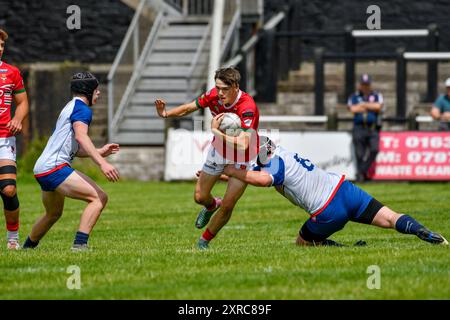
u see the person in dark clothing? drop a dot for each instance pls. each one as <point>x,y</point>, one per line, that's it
<point>366,106</point>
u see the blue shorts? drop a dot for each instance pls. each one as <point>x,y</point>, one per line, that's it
<point>350,203</point>
<point>51,180</point>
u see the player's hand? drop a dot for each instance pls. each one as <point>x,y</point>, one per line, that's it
<point>109,149</point>
<point>161,108</point>
<point>197,174</point>
<point>110,172</point>
<point>14,126</point>
<point>215,122</point>
<point>229,170</point>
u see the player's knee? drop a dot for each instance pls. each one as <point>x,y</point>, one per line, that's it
<point>200,198</point>
<point>10,203</point>
<point>392,219</point>
<point>302,242</point>
<point>9,191</point>
<point>54,215</point>
<point>103,197</point>
<point>100,200</point>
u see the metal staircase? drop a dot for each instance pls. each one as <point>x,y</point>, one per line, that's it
<point>171,65</point>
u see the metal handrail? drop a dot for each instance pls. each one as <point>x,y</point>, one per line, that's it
<point>196,58</point>
<point>427,56</point>
<point>235,22</point>
<point>126,39</point>
<point>391,33</point>
<point>250,44</point>
<point>286,118</point>
<point>131,30</point>
<point>137,70</point>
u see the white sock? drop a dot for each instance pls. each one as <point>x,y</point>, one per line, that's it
<point>13,235</point>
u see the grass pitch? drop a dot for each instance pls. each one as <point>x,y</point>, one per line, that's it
<point>144,248</point>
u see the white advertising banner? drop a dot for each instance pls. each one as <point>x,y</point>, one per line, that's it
<point>332,151</point>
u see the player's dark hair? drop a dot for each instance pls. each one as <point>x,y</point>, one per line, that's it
<point>229,76</point>
<point>266,148</point>
<point>3,35</point>
<point>84,83</point>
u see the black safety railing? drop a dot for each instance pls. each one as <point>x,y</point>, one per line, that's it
<point>280,64</point>
<point>431,34</point>
<point>401,57</point>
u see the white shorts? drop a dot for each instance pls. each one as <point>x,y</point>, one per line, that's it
<point>215,163</point>
<point>8,148</point>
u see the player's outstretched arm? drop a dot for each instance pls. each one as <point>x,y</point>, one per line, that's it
<point>82,137</point>
<point>255,178</point>
<point>21,101</point>
<point>179,111</point>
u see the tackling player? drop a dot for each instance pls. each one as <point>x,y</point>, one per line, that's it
<point>54,173</point>
<point>224,97</point>
<point>327,197</point>
<point>11,87</point>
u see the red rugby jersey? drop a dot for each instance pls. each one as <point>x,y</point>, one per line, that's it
<point>11,83</point>
<point>245,107</point>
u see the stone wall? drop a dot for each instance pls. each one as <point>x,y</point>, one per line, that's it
<point>38,30</point>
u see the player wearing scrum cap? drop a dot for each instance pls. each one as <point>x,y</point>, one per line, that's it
<point>53,171</point>
<point>11,88</point>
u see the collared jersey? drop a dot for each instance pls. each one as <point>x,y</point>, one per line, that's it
<point>301,182</point>
<point>62,146</point>
<point>11,83</point>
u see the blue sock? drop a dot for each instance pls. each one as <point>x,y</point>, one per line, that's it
<point>406,224</point>
<point>81,238</point>
<point>28,244</point>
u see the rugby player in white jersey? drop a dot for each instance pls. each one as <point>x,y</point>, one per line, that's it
<point>11,88</point>
<point>330,200</point>
<point>53,169</point>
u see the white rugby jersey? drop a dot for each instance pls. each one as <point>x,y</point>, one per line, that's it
<point>303,183</point>
<point>62,146</point>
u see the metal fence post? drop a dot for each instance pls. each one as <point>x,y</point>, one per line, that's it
<point>350,47</point>
<point>267,74</point>
<point>318,81</point>
<point>243,71</point>
<point>401,83</point>
<point>432,71</point>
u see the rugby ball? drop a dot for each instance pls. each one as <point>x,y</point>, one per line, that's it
<point>231,124</point>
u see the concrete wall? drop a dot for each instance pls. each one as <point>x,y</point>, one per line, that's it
<point>48,88</point>
<point>140,163</point>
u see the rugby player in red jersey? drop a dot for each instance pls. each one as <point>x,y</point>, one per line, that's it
<point>11,88</point>
<point>241,150</point>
